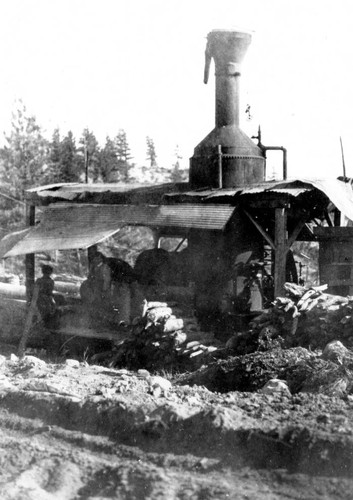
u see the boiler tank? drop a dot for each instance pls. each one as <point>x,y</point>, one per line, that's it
<point>226,157</point>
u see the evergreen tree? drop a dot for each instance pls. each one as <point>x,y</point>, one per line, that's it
<point>89,159</point>
<point>52,173</point>
<point>108,164</point>
<point>123,156</point>
<point>70,168</point>
<point>151,155</point>
<point>24,158</point>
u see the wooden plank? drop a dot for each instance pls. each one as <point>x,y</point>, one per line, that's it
<point>281,250</point>
<point>30,258</point>
<point>343,282</point>
<point>334,264</point>
<point>343,233</point>
<point>296,232</point>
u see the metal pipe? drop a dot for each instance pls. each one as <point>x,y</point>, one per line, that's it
<point>272,148</point>
<point>284,151</point>
<point>227,48</point>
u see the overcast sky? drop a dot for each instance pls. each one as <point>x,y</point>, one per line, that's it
<point>138,65</point>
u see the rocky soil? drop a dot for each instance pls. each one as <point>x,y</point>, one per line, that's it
<point>72,430</point>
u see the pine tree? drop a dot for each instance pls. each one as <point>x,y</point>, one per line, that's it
<point>52,173</point>
<point>108,164</point>
<point>23,159</point>
<point>151,155</point>
<point>88,160</point>
<point>70,168</point>
<point>123,156</point>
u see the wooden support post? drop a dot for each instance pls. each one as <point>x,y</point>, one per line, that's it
<point>30,258</point>
<point>29,320</point>
<point>281,250</point>
<point>337,217</point>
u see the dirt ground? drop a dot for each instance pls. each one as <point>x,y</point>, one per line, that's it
<point>71,430</point>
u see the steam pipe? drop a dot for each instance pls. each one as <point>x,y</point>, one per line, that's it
<point>277,148</point>
<point>273,148</point>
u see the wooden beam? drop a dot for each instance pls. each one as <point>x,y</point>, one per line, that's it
<point>30,258</point>
<point>29,320</point>
<point>281,250</point>
<point>295,233</point>
<point>337,217</point>
<point>328,218</point>
<point>261,230</point>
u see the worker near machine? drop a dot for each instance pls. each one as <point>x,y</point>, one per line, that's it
<point>46,302</point>
<point>95,289</point>
<point>110,289</point>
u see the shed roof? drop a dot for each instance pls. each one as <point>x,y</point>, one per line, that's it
<point>338,191</point>
<point>66,226</point>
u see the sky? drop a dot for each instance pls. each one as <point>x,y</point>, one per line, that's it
<point>138,65</point>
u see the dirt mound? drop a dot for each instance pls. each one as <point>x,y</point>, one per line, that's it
<point>72,430</point>
<point>303,370</point>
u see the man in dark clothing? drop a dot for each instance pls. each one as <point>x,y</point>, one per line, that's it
<point>45,302</point>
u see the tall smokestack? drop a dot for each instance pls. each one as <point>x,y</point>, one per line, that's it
<point>227,157</point>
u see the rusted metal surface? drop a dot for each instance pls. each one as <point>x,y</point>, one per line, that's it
<point>67,226</point>
<point>102,193</point>
<point>226,156</point>
<point>339,192</point>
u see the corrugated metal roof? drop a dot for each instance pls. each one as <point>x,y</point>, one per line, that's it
<point>144,194</point>
<point>10,240</point>
<point>78,187</point>
<point>66,226</point>
<point>292,188</point>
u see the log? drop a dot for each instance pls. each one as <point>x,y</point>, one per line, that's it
<point>29,319</point>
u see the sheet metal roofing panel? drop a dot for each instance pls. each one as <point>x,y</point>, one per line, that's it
<point>10,240</point>
<point>339,192</point>
<point>290,191</point>
<point>66,226</point>
<point>293,188</point>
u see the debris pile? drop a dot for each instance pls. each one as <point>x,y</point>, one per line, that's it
<point>248,373</point>
<point>160,340</point>
<point>298,368</point>
<point>304,317</point>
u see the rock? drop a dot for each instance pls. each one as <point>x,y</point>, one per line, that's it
<point>179,338</point>
<point>275,386</point>
<point>143,373</point>
<point>159,385</point>
<point>335,351</point>
<point>14,358</point>
<point>43,386</point>
<point>73,363</point>
<point>32,362</point>
<point>5,385</point>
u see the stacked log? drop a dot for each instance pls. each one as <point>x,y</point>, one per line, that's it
<point>161,340</point>
<point>306,317</point>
